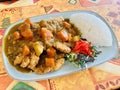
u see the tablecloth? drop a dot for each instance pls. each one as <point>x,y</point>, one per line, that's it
<point>105,76</point>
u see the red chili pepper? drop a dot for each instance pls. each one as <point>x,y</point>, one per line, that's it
<point>82,47</point>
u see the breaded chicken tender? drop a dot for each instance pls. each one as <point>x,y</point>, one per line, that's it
<point>44,69</point>
<point>62,47</point>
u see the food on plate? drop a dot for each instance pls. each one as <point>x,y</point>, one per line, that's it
<point>92,28</point>
<point>43,46</point>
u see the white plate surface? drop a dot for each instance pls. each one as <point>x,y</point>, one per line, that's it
<point>67,68</point>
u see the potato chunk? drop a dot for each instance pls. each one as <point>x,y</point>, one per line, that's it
<point>38,48</point>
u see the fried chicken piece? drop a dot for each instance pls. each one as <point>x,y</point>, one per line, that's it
<point>25,62</point>
<point>58,56</point>
<point>39,70</point>
<point>43,23</point>
<point>44,69</point>
<point>47,69</point>
<point>35,26</point>
<point>58,63</point>
<point>33,61</point>
<point>62,47</point>
<point>18,59</point>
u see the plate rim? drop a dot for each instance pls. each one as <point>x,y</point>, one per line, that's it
<point>46,15</point>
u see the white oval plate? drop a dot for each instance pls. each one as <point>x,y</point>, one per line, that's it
<point>67,68</point>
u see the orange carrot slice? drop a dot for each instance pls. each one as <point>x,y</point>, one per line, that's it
<point>26,50</point>
<point>27,34</point>
<point>46,34</point>
<point>50,62</point>
<point>63,35</point>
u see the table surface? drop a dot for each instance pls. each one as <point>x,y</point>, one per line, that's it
<point>102,77</point>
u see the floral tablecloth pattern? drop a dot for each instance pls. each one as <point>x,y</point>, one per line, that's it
<point>102,77</point>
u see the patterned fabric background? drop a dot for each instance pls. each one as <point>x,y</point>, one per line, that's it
<point>103,77</point>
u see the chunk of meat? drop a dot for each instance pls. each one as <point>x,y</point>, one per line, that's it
<point>35,26</point>
<point>39,70</point>
<point>42,69</point>
<point>47,69</point>
<point>18,59</point>
<point>49,43</point>
<point>56,23</point>
<point>62,47</point>
<point>25,62</point>
<point>33,61</point>
<point>43,23</point>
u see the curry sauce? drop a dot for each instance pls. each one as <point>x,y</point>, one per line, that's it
<point>40,47</point>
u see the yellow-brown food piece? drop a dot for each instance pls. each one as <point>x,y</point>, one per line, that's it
<point>50,62</point>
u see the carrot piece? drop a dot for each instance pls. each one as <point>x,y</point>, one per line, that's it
<point>66,25</point>
<point>26,50</point>
<point>50,62</point>
<point>51,52</point>
<point>27,34</point>
<point>16,35</point>
<point>63,35</point>
<point>28,21</point>
<point>69,37</point>
<point>46,34</point>
<point>24,26</point>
